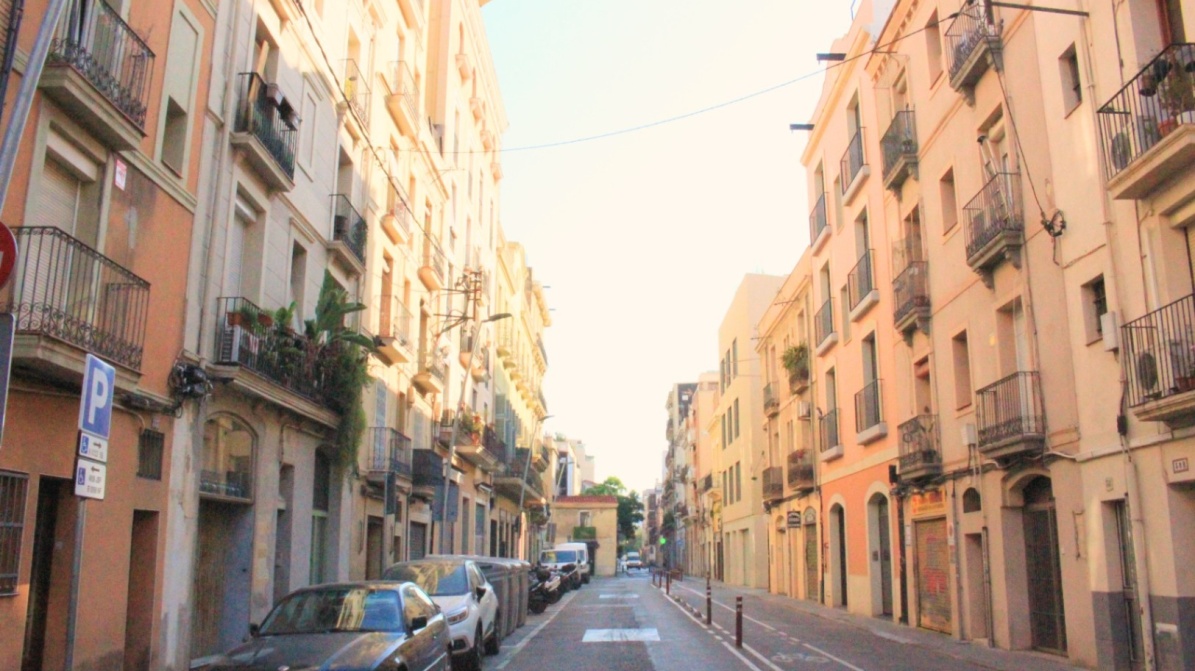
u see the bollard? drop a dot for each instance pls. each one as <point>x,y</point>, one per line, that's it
<point>709,605</point>
<point>738,622</point>
<point>668,583</point>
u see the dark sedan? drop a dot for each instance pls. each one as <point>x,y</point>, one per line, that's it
<point>381,626</point>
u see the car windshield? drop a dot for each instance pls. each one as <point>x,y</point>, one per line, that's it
<point>436,578</point>
<point>335,609</point>
<point>558,556</point>
<point>632,555</point>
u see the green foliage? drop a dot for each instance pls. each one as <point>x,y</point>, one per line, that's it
<point>630,508</point>
<point>341,358</point>
<point>584,533</point>
<point>796,360</point>
<point>611,487</point>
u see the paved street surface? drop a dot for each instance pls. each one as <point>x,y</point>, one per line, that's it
<point>625,623</point>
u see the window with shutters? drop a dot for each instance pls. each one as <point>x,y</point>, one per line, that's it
<point>13,488</point>
<point>69,191</point>
<point>178,87</point>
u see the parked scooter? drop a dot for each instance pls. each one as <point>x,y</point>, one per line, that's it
<point>545,589</point>
<point>570,577</point>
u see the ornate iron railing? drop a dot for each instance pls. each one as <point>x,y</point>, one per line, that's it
<point>823,321</point>
<point>246,336</point>
<point>868,412</point>
<point>433,257</point>
<point>432,362</point>
<point>861,279</point>
<point>919,442</point>
<point>264,114</point>
<point>356,89</point>
<point>1010,408</point>
<point>994,210</point>
<point>390,451</point>
<point>64,289</point>
<point>817,218</point>
<point>394,320</point>
<point>348,226</point>
<point>969,31</point>
<point>92,39</point>
<point>773,483</point>
<point>1159,98</point>
<point>1159,352</point>
<point>900,140</point>
<point>852,160</point>
<point>770,400</point>
<point>402,84</point>
<point>910,289</point>
<point>800,469</point>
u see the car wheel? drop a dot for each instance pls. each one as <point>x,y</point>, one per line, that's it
<point>494,643</point>
<point>473,657</point>
<point>585,579</point>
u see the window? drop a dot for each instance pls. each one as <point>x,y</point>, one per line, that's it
<point>182,61</point>
<point>1072,85</point>
<point>13,488</point>
<point>949,201</point>
<point>149,454</point>
<point>737,418</point>
<point>734,353</point>
<point>724,441</point>
<point>1095,306</point>
<point>962,370</point>
<point>844,302</point>
<point>307,135</point>
<point>738,481</point>
<point>227,464</point>
<point>933,47</point>
<point>320,498</point>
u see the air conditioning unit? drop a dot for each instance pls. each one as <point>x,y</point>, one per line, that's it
<point>803,409</point>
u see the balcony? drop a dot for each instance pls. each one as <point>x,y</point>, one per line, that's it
<point>356,91</point>
<point>394,331</point>
<point>99,70</point>
<point>431,273</point>
<point>707,483</point>
<point>427,471</point>
<point>265,131</point>
<point>231,485</point>
<point>389,453</point>
<point>831,446</point>
<point>771,402</point>
<point>67,300</point>
<point>869,416</point>
<point>1148,127</point>
<point>995,225</point>
<point>510,483</point>
<point>853,168</point>
<point>823,327</point>
<point>910,288</point>
<point>542,458</point>
<point>801,474</point>
<point>819,231</point>
<point>403,101</point>
<point>396,223</point>
<point>972,46</point>
<point>899,147</point>
<point>1011,417</point>
<point>861,286</point>
<point>412,11</point>
<point>484,449</point>
<point>464,65</point>
<point>349,233</point>
<point>1159,363</point>
<point>920,450</point>
<point>433,369</point>
<point>773,483</point>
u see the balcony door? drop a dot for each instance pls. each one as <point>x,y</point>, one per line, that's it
<point>1170,15</point>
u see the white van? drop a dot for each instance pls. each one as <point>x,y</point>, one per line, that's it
<point>568,553</point>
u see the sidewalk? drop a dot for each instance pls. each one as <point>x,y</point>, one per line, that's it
<point>966,651</point>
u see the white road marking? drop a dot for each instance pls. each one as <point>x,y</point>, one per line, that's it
<point>765,625</point>
<point>761,658</point>
<point>620,635</point>
<point>840,661</point>
<point>521,644</point>
<point>890,637</point>
<point>618,596</point>
<point>738,654</point>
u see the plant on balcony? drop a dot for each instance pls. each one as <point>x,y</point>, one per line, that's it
<point>796,361</point>
<point>340,355</point>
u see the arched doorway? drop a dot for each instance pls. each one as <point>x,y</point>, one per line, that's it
<point>1043,570</point>
<point>838,571</point>
<point>813,567</point>
<point>224,540</point>
<point>879,535</point>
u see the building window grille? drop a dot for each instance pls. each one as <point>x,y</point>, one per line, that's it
<point>13,487</point>
<point>149,454</point>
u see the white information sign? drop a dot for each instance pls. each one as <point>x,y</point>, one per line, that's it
<point>90,477</point>
<point>93,447</point>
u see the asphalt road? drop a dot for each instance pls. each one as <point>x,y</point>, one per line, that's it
<point>625,623</point>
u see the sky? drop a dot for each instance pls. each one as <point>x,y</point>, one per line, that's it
<point>643,237</point>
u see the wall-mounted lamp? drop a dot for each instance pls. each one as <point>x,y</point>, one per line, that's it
<point>831,56</point>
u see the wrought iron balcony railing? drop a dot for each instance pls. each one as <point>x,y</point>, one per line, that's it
<point>1155,102</point>
<point>773,483</point>
<point>246,337</point>
<point>817,218</point>
<point>1159,352</point>
<point>801,469</point>
<point>402,84</point>
<point>910,290</point>
<point>707,483</point>
<point>969,34</point>
<point>868,412</point>
<point>996,209</point>
<point>356,89</point>
<point>433,257</point>
<point>390,451</point>
<point>492,443</point>
<point>771,402</point>
<point>861,279</point>
<point>348,226</point>
<point>431,362</point>
<point>899,142</point>
<point>823,321</point>
<point>92,39</point>
<point>264,115</point>
<point>852,161</point>
<point>828,430</point>
<point>1010,409</point>
<point>64,289</point>
<point>394,320</point>
<point>920,449</point>
<point>236,484</point>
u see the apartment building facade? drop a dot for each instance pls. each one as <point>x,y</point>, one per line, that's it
<point>702,492</point>
<point>678,473</point>
<point>104,193</point>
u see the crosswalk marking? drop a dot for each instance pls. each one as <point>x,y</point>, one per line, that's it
<point>620,635</point>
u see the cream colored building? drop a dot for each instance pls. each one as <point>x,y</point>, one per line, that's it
<point>702,487</point>
<point>592,520</point>
<point>739,414</point>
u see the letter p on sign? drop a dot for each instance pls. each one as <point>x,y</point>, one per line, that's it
<point>95,410</point>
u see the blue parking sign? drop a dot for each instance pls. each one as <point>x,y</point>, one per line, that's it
<point>99,386</point>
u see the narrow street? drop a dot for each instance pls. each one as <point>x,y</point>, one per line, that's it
<point>626,623</point>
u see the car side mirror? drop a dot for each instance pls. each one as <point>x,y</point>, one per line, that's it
<point>254,629</point>
<point>418,622</point>
<point>480,592</point>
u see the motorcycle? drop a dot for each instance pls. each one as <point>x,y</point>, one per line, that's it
<point>570,577</point>
<point>545,590</point>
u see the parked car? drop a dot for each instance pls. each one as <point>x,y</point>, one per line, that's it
<point>469,603</point>
<point>568,553</point>
<point>338,627</point>
<point>633,560</point>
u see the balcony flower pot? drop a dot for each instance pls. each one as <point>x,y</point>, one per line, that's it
<point>1184,383</point>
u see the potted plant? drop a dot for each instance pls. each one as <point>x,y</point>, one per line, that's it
<point>796,362</point>
<point>1178,99</point>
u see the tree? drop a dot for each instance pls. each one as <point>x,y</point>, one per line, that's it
<point>630,508</point>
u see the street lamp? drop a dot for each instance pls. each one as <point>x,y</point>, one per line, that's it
<point>539,421</point>
<point>456,423</point>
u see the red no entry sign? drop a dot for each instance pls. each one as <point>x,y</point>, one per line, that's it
<point>8,254</point>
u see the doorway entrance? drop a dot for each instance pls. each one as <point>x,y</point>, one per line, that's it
<point>50,575</point>
<point>880,534</point>
<point>838,593</point>
<point>1047,620</point>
